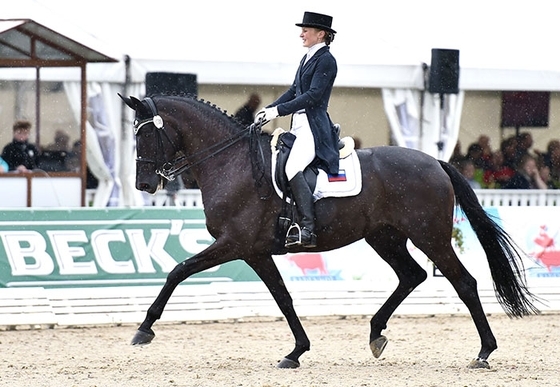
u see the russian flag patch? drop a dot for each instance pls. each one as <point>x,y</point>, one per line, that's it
<point>340,177</point>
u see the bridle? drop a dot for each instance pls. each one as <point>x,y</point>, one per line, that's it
<point>171,169</point>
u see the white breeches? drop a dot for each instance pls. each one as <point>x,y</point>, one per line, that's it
<point>303,150</point>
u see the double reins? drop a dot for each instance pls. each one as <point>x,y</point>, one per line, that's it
<point>170,170</point>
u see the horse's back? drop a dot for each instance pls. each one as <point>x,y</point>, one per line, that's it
<point>392,163</point>
<point>401,179</point>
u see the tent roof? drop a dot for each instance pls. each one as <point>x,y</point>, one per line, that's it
<point>26,43</point>
<point>503,46</point>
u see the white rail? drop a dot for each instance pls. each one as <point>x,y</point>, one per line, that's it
<point>518,197</point>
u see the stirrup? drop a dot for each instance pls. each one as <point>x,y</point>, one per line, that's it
<point>294,237</point>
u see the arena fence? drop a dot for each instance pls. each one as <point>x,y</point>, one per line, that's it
<point>348,281</point>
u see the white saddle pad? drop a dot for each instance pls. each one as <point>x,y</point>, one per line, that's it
<point>348,182</point>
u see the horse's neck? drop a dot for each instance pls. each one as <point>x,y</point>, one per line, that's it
<point>235,169</point>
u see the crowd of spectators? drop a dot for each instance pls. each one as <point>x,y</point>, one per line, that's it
<point>514,165</point>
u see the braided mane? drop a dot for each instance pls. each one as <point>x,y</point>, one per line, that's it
<point>207,105</point>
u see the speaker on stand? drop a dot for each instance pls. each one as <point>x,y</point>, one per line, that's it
<point>443,79</point>
<point>171,83</point>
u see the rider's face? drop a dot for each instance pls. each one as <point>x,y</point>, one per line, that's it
<point>311,36</point>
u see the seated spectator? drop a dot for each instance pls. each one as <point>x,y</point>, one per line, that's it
<point>53,157</point>
<point>523,146</point>
<point>526,176</point>
<point>484,142</point>
<point>552,159</point>
<point>4,167</point>
<point>467,169</point>
<point>544,173</point>
<point>508,148</point>
<point>498,174</point>
<point>20,154</point>
<point>474,153</point>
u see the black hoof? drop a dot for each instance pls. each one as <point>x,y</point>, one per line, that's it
<point>287,363</point>
<point>143,337</point>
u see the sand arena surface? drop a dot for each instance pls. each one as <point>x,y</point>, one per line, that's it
<point>422,351</point>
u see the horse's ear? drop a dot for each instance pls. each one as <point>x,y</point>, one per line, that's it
<point>132,102</point>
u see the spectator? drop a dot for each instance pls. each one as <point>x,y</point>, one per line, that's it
<point>467,169</point>
<point>552,159</point>
<point>20,154</point>
<point>4,167</point>
<point>484,142</point>
<point>53,157</point>
<point>498,174</point>
<point>523,147</point>
<point>61,142</point>
<point>527,175</point>
<point>246,114</point>
<point>474,153</point>
<point>508,148</point>
<point>544,173</point>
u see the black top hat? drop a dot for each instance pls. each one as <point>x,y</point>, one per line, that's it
<point>317,20</point>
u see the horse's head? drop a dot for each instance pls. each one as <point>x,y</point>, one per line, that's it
<point>153,145</point>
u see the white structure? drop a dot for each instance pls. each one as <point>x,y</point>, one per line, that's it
<point>243,48</point>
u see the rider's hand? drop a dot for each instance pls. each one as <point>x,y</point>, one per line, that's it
<point>266,114</point>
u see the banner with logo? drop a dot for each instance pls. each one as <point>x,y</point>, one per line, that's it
<point>108,247</point>
<point>120,247</point>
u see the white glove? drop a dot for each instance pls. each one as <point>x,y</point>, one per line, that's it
<point>266,114</point>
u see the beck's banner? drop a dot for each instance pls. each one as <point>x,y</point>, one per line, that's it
<point>89,247</point>
<point>109,247</point>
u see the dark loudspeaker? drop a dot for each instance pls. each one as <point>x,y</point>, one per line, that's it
<point>444,71</point>
<point>171,83</point>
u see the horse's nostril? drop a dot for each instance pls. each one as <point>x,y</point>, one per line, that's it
<point>143,186</point>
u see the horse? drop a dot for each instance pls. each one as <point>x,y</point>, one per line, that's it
<point>406,195</point>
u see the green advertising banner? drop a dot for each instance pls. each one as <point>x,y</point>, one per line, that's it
<point>104,247</point>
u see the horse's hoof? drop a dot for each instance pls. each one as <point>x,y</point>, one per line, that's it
<point>288,363</point>
<point>478,363</point>
<point>143,337</point>
<point>378,345</point>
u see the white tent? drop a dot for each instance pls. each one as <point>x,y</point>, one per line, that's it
<point>503,46</point>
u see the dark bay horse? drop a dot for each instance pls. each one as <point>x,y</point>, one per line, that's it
<point>406,194</point>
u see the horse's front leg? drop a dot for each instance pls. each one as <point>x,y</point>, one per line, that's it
<point>266,269</point>
<point>216,254</point>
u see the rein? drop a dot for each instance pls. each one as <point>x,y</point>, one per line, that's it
<point>170,170</point>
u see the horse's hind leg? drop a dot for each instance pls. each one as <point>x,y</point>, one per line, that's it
<point>443,256</point>
<point>390,244</point>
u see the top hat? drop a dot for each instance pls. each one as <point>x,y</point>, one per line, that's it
<point>317,20</point>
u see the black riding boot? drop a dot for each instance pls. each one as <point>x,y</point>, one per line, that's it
<point>302,195</point>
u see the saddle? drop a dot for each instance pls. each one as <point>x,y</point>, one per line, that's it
<point>282,142</point>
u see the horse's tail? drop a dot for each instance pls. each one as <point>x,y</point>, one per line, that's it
<point>506,266</point>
